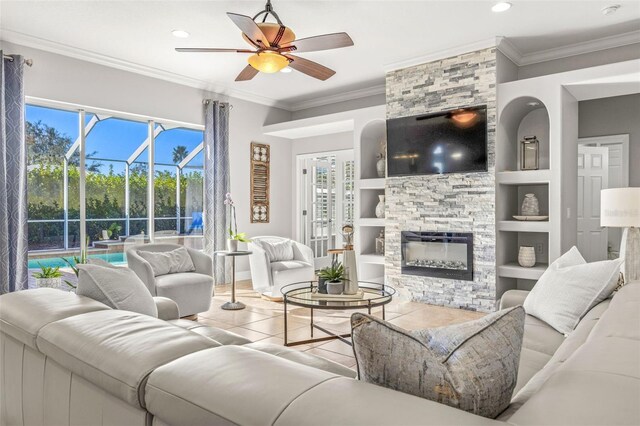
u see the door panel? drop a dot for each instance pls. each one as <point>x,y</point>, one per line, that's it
<point>593,176</point>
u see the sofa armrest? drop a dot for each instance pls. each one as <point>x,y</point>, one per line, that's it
<point>202,262</point>
<point>167,308</point>
<point>303,253</point>
<point>143,270</point>
<point>513,298</point>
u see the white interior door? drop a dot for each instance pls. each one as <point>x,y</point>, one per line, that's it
<point>593,176</point>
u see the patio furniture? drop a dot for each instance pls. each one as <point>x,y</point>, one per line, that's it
<point>269,277</point>
<point>192,291</point>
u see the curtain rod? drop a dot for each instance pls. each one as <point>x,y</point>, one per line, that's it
<point>27,62</point>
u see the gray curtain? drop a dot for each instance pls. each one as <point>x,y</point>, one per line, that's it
<point>13,178</point>
<point>216,182</point>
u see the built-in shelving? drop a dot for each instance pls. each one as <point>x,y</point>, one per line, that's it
<point>514,270</point>
<point>523,177</point>
<point>379,222</point>
<point>523,226</point>
<point>371,258</point>
<point>373,183</point>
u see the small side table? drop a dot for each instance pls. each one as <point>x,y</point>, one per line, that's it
<point>233,305</point>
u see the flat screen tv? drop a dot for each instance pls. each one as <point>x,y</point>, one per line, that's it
<point>445,142</point>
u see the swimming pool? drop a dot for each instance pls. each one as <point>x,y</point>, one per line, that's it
<point>114,258</point>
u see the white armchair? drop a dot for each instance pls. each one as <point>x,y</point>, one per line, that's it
<point>269,276</point>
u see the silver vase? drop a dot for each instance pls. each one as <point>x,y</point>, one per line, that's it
<point>351,268</point>
<point>381,167</point>
<point>530,205</point>
<point>380,207</point>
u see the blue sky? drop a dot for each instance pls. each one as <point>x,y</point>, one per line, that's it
<point>117,139</point>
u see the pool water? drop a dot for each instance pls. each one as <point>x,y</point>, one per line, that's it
<point>113,258</point>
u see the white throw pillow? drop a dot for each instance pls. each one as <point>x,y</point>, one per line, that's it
<point>569,288</point>
<point>118,288</point>
<point>277,252</point>
<point>169,262</point>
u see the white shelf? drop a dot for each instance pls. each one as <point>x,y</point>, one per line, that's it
<point>523,226</point>
<point>377,183</point>
<point>514,270</point>
<point>524,177</point>
<point>372,258</point>
<point>371,221</point>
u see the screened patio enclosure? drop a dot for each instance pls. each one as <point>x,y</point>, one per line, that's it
<point>96,179</point>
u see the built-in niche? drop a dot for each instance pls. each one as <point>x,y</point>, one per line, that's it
<point>373,142</point>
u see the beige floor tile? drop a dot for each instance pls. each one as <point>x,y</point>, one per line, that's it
<point>236,318</point>
<point>275,325</point>
<point>252,335</point>
<point>214,323</point>
<point>337,346</point>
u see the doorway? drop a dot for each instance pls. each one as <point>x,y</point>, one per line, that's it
<point>325,200</point>
<point>603,162</point>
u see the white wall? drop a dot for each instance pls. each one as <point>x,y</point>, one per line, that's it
<point>613,116</point>
<point>64,79</point>
<point>350,105</point>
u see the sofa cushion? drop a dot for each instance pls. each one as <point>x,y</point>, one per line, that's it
<point>190,290</point>
<point>243,387</point>
<point>302,358</point>
<point>118,288</point>
<point>569,288</point>
<point>24,313</point>
<point>472,366</point>
<point>168,262</point>
<point>116,350</point>
<point>222,337</point>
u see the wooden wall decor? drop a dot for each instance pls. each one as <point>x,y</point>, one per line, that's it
<point>260,159</point>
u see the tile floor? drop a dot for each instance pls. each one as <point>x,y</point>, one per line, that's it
<point>263,320</point>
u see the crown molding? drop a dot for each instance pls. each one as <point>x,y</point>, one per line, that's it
<point>97,58</point>
<point>581,48</point>
<point>339,97</point>
<point>442,54</point>
<point>507,48</point>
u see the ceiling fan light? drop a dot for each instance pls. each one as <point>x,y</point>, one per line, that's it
<point>268,62</point>
<point>286,70</point>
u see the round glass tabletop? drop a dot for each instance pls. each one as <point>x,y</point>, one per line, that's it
<point>305,294</point>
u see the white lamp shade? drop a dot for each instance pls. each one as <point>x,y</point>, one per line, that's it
<point>620,207</point>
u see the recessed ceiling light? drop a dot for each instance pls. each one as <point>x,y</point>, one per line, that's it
<point>286,69</point>
<point>610,10</point>
<point>180,33</point>
<point>501,7</point>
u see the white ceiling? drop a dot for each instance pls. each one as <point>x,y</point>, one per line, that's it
<point>384,32</point>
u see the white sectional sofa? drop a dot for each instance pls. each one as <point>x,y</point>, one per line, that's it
<point>70,360</point>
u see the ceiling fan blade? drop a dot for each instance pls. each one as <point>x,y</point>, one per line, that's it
<point>250,29</point>
<point>212,50</point>
<point>247,73</point>
<point>310,68</point>
<point>321,42</point>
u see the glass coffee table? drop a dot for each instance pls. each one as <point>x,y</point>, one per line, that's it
<point>305,294</point>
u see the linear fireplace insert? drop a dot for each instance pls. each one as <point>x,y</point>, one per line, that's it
<point>438,254</point>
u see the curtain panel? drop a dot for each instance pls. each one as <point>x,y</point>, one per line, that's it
<point>216,183</point>
<point>13,177</point>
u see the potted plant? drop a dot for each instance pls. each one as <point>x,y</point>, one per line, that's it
<point>114,231</point>
<point>335,277</point>
<point>48,276</point>
<point>234,235</point>
<point>77,260</point>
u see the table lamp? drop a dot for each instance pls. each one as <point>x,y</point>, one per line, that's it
<point>620,208</point>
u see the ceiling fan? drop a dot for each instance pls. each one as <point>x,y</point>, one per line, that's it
<point>272,44</point>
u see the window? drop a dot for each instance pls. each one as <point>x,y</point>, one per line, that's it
<point>116,183</point>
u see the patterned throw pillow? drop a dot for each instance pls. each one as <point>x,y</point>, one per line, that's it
<point>472,366</point>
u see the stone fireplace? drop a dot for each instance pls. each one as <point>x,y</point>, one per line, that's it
<point>450,204</point>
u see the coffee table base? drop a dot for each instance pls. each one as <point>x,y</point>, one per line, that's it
<point>233,306</point>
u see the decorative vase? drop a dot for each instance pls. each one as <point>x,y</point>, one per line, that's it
<point>335,288</point>
<point>527,256</point>
<point>351,268</point>
<point>530,205</point>
<point>322,286</point>
<point>380,207</point>
<point>380,244</point>
<point>232,245</point>
<point>49,282</point>
<point>105,234</point>
<point>381,167</point>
